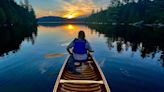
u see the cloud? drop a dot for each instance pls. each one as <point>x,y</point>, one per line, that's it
<point>78,7</point>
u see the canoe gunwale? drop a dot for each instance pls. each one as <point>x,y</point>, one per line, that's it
<point>102,75</point>
<point>60,74</point>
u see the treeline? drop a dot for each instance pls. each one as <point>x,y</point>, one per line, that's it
<point>12,14</point>
<point>130,11</point>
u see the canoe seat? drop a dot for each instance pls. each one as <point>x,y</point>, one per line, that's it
<point>82,81</point>
<point>89,62</point>
<point>77,64</point>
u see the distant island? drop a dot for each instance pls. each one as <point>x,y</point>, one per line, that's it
<point>59,20</point>
<point>13,14</point>
<point>51,19</point>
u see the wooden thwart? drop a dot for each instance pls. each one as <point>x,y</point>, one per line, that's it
<point>82,81</point>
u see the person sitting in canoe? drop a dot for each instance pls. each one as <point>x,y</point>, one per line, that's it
<point>80,50</point>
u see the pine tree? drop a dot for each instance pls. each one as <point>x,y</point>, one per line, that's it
<point>26,4</point>
<point>21,4</point>
<point>2,16</point>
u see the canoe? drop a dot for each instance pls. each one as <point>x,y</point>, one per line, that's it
<point>90,79</point>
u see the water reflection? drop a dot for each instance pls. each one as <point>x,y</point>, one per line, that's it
<point>70,27</point>
<point>147,40</point>
<point>11,39</point>
<point>69,31</point>
<point>117,50</point>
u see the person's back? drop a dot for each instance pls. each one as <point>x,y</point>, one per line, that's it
<point>81,47</point>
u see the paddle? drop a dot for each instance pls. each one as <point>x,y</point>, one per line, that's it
<point>48,56</point>
<point>55,55</point>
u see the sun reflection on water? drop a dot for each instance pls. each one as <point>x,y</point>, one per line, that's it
<point>70,27</point>
<point>69,30</point>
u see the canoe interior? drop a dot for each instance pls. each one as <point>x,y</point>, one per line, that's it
<point>88,71</point>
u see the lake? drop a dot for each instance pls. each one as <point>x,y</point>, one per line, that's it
<point>131,58</point>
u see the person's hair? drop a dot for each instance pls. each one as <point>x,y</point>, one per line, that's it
<point>81,35</point>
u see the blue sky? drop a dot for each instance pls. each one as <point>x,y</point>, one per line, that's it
<point>64,8</point>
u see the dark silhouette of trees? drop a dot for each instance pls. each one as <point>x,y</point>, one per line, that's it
<point>17,23</point>
<point>2,16</point>
<point>12,14</point>
<point>130,11</point>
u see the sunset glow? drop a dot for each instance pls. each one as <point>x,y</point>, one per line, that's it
<point>70,27</point>
<point>70,16</point>
<point>66,8</point>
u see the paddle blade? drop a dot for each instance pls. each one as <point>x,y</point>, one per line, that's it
<point>53,55</point>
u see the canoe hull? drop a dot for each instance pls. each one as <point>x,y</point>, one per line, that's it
<point>91,79</point>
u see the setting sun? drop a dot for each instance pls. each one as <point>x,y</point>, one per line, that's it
<point>70,16</point>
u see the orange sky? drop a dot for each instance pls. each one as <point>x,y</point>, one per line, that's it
<point>67,8</point>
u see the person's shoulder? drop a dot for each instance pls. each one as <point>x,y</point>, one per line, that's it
<point>86,41</point>
<point>75,39</point>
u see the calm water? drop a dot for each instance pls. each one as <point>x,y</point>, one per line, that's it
<point>129,63</point>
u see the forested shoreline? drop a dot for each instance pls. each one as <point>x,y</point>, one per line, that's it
<point>130,12</point>
<point>12,14</point>
<point>17,23</point>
